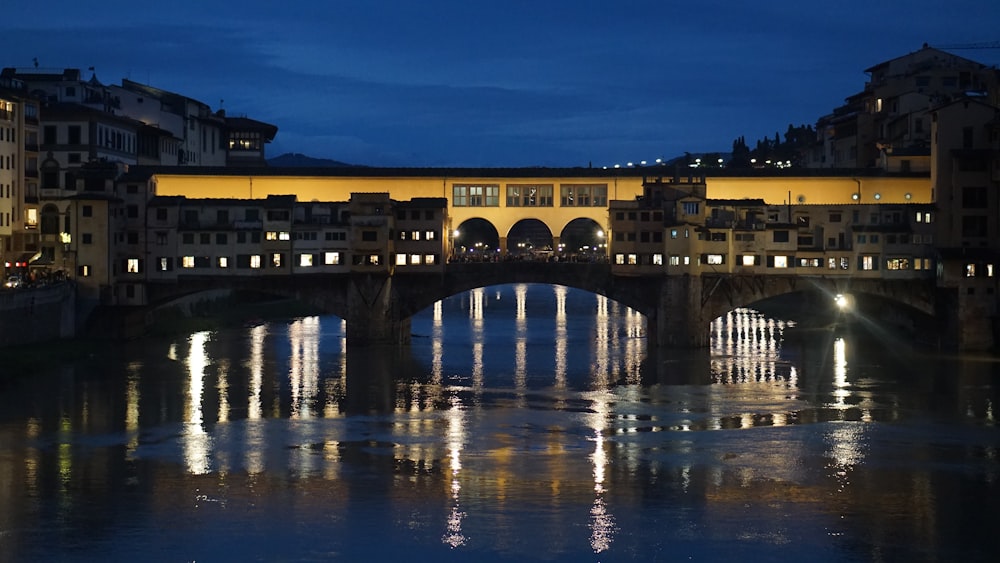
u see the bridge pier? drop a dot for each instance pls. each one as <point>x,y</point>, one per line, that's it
<point>678,320</point>
<point>373,316</point>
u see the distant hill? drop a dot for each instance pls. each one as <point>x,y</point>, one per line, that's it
<point>294,159</point>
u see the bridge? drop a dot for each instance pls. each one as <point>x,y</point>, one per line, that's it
<point>679,308</point>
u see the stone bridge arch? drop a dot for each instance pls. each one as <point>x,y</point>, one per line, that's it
<point>416,292</point>
<point>720,294</point>
<point>475,237</point>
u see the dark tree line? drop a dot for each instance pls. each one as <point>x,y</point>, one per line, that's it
<point>791,150</point>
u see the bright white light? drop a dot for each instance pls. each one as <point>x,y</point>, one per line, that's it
<point>840,300</point>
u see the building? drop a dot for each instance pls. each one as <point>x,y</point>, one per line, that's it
<point>56,124</point>
<point>890,120</point>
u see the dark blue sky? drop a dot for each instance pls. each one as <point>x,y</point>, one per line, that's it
<point>513,83</point>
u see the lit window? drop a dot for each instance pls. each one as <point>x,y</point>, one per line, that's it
<point>187,262</point>
<point>429,235</point>
<point>714,259</point>
<point>415,259</point>
<point>780,261</point>
<point>271,235</point>
<point>897,264</point>
<point>657,259</point>
<point>276,260</point>
<point>415,235</point>
<point>429,259</point>
<point>331,258</point>
<point>132,265</point>
<point>255,261</point>
<point>223,261</point>
<point>400,259</point>
<point>867,262</point>
<point>373,259</point>
<point>283,235</point>
<point>164,264</point>
<point>619,259</point>
<point>845,263</point>
<point>673,233</point>
<point>305,260</point>
<point>84,271</point>
<point>687,260</point>
<point>749,259</point>
<point>970,270</point>
<point>632,259</point>
<point>675,260</point>
<point>989,270</point>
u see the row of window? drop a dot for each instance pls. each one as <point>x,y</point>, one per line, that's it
<point>841,263</point>
<point>530,195</point>
<point>272,260</point>
<point>777,236</point>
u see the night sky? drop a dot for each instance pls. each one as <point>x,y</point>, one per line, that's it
<point>512,83</point>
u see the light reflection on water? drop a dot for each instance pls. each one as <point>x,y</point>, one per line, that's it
<point>529,422</point>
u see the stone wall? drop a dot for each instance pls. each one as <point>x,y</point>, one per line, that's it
<point>33,315</point>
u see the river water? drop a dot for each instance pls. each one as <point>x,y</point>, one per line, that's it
<point>524,423</point>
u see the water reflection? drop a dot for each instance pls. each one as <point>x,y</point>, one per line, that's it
<point>551,439</point>
<point>196,441</point>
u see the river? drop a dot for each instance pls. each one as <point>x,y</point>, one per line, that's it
<point>524,423</point>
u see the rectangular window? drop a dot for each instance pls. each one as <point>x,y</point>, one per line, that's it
<point>690,207</point>
<point>132,265</point>
<point>897,264</point>
<point>430,259</point>
<point>275,259</point>
<point>430,235</point>
<point>780,261</point>
<point>166,264</point>
<point>675,260</point>
<point>187,262</point>
<point>415,259</point>
<point>305,260</point>
<point>714,259</point>
<point>780,236</point>
<point>460,196</point>
<point>529,195</point>
<point>83,271</point>
<point>487,195</point>
<point>633,259</point>
<point>331,258</point>
<point>749,259</point>
<point>619,259</point>
<point>369,236</point>
<point>271,235</point>
<point>867,263</point>
<point>221,238</point>
<point>255,261</point>
<point>657,259</point>
<point>222,262</point>
<point>400,259</point>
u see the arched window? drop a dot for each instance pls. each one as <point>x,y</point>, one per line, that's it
<point>50,220</point>
<point>50,174</point>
